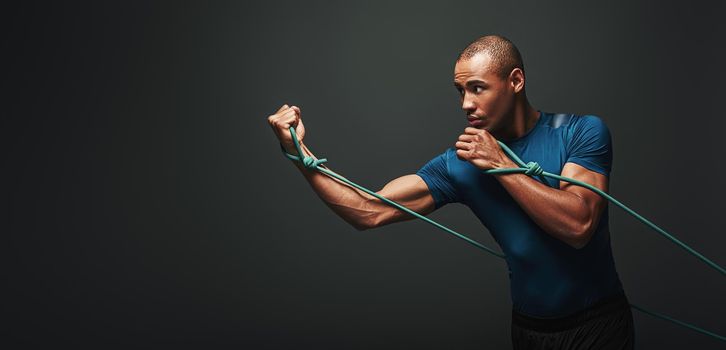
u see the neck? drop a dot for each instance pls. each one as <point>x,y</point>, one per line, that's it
<point>523,118</point>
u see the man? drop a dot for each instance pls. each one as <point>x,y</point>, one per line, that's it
<point>566,293</point>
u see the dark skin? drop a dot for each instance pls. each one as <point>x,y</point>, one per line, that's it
<point>498,109</point>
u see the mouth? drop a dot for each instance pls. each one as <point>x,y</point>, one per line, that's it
<point>475,121</point>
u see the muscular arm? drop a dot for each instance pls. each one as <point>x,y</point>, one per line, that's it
<point>364,211</point>
<point>570,213</point>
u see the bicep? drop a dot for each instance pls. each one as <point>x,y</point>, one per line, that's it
<point>410,191</point>
<point>594,202</point>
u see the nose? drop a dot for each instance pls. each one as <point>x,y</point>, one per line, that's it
<point>467,104</point>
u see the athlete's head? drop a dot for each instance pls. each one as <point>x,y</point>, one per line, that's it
<point>489,74</point>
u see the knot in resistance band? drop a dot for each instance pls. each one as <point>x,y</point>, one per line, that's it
<point>533,169</point>
<point>307,161</point>
<point>530,169</point>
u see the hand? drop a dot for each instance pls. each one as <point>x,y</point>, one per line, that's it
<point>281,121</point>
<point>481,149</point>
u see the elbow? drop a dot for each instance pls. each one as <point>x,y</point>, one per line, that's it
<point>578,243</point>
<point>372,217</point>
<point>373,221</point>
<point>361,226</point>
<point>582,235</point>
<point>364,224</point>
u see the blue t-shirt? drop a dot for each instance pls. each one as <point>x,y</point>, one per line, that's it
<point>548,277</point>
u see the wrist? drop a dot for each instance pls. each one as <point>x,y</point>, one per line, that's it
<point>506,163</point>
<point>291,149</point>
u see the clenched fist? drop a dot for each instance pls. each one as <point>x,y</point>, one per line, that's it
<point>281,121</point>
<point>480,148</point>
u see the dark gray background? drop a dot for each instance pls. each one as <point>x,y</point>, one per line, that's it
<point>148,203</point>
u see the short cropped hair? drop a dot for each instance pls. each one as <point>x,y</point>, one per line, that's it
<point>505,56</point>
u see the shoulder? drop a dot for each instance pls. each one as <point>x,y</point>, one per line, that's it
<point>588,121</point>
<point>569,121</point>
<point>574,125</point>
<point>587,126</point>
<point>447,156</point>
<point>441,161</point>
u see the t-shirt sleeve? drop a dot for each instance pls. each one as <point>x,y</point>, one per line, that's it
<point>590,145</point>
<point>437,177</point>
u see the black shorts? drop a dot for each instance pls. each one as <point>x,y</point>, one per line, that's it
<point>606,325</point>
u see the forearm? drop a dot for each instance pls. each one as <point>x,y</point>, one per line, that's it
<point>354,206</point>
<point>561,214</point>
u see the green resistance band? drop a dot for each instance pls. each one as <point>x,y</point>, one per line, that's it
<point>531,169</point>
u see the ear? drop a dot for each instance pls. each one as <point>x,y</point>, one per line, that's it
<point>516,79</point>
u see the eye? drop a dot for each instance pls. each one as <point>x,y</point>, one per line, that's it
<point>478,89</point>
<point>460,90</point>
